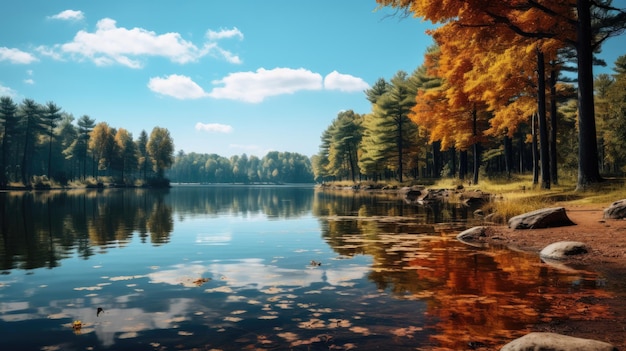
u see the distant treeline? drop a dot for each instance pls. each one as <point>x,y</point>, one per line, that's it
<point>275,167</point>
<point>41,146</point>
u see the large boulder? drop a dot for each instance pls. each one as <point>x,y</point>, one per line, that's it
<point>563,249</point>
<point>617,210</point>
<point>555,342</point>
<point>543,218</point>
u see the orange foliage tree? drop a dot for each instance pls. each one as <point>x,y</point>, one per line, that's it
<point>549,24</point>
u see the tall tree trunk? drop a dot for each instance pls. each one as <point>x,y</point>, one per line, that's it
<point>437,159</point>
<point>521,152</point>
<point>399,142</point>
<point>534,150</point>
<point>25,155</point>
<point>543,127</point>
<point>508,155</point>
<point>553,127</point>
<point>476,146</point>
<point>463,160</point>
<point>452,152</point>
<point>588,172</point>
<point>352,166</point>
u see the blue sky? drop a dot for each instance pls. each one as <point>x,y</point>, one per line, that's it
<point>224,77</point>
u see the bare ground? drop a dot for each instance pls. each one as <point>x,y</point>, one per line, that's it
<point>607,239</point>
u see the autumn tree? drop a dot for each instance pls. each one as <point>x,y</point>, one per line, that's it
<point>583,24</point>
<point>101,144</point>
<point>125,153</point>
<point>161,150</point>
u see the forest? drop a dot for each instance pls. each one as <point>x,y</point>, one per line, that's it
<point>43,147</point>
<point>507,87</point>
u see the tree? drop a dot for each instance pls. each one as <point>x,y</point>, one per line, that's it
<point>144,157</point>
<point>125,153</point>
<point>31,129</point>
<point>50,116</point>
<point>161,150</point>
<point>8,116</point>
<point>346,131</point>
<point>583,24</point>
<point>101,144</point>
<point>66,135</point>
<point>85,126</point>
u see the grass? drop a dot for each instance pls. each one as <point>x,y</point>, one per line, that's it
<point>518,195</point>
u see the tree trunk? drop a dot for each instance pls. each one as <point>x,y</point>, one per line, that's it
<point>463,164</point>
<point>399,142</point>
<point>553,127</point>
<point>508,155</point>
<point>588,171</point>
<point>437,159</point>
<point>453,163</point>
<point>476,147</point>
<point>543,127</point>
<point>534,150</point>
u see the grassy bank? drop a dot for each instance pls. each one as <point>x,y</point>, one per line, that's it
<point>518,195</point>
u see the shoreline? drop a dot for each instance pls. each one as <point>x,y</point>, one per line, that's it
<point>607,257</point>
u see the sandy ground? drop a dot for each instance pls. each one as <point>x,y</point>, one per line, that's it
<point>607,239</point>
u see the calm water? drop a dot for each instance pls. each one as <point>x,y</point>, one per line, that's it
<point>230,268</point>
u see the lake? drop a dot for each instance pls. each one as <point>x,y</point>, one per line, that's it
<point>263,267</point>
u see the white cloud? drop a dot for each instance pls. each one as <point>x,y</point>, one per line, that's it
<point>224,34</point>
<point>227,55</point>
<point>214,127</point>
<point>49,52</point>
<point>254,87</point>
<point>69,15</point>
<point>6,91</point>
<point>111,44</point>
<point>344,82</point>
<point>177,86</point>
<point>16,56</point>
<point>29,81</point>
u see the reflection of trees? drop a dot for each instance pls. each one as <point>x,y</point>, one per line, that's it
<point>271,201</point>
<point>39,229</point>
<point>471,295</point>
<point>160,222</point>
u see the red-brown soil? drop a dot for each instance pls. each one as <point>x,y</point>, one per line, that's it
<point>607,239</point>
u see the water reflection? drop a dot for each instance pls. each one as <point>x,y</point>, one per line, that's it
<point>229,268</point>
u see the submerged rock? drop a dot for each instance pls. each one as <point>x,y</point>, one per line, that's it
<point>474,236</point>
<point>563,249</point>
<point>543,218</point>
<point>617,210</point>
<point>555,342</point>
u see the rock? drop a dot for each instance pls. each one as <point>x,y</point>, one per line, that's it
<point>474,236</point>
<point>472,233</point>
<point>555,342</point>
<point>543,218</point>
<point>617,210</point>
<point>475,198</point>
<point>563,249</point>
